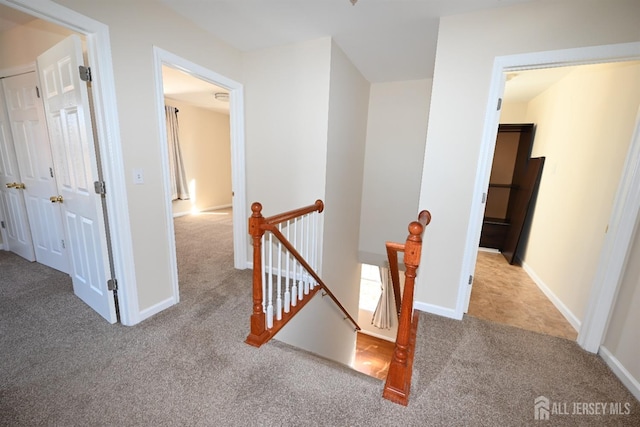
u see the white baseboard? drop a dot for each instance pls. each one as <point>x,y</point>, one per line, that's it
<point>210,208</point>
<point>620,371</point>
<point>491,250</point>
<point>155,309</point>
<point>436,309</point>
<point>1,247</point>
<point>563,309</point>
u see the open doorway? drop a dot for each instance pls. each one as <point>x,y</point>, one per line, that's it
<point>575,109</point>
<point>207,193</point>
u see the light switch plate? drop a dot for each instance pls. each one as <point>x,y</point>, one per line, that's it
<point>138,176</point>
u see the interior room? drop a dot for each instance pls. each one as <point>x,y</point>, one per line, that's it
<point>573,122</point>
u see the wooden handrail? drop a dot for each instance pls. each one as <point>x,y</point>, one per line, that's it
<point>398,383</point>
<point>310,270</point>
<point>258,225</point>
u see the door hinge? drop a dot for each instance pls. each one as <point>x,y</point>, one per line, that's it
<point>62,244</point>
<point>112,284</point>
<point>37,91</point>
<point>100,188</point>
<point>51,172</point>
<point>499,104</point>
<point>2,224</point>
<point>484,197</point>
<point>85,73</point>
<point>470,279</point>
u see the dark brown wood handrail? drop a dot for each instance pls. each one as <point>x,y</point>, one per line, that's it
<point>257,227</point>
<point>286,216</point>
<point>398,383</point>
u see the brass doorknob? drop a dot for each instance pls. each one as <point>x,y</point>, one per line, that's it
<point>10,185</point>
<point>56,199</point>
<point>18,186</point>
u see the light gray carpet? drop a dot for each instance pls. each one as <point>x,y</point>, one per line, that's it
<point>63,365</point>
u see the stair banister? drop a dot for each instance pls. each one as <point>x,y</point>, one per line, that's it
<point>261,332</point>
<point>398,383</point>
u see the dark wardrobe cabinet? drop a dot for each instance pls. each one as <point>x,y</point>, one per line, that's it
<point>514,178</point>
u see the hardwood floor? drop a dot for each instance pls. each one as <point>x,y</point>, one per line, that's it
<point>506,294</point>
<point>373,356</point>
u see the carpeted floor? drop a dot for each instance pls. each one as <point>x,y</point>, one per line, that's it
<point>63,365</point>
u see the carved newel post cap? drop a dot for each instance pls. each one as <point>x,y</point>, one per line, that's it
<point>256,208</point>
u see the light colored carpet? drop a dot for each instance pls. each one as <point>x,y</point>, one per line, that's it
<point>63,365</point>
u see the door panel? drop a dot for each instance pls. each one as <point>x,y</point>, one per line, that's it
<point>68,117</point>
<point>12,204</point>
<point>33,152</point>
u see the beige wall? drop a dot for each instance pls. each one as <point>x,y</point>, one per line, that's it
<point>467,47</point>
<point>286,110</point>
<point>396,131</point>
<point>584,124</point>
<point>134,28</point>
<point>21,45</point>
<point>206,151</point>
<point>321,327</point>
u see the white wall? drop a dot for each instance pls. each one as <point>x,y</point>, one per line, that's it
<point>584,124</point>
<point>134,29</point>
<point>206,151</point>
<point>396,132</point>
<point>286,108</point>
<point>467,47</point>
<point>21,45</point>
<point>320,327</point>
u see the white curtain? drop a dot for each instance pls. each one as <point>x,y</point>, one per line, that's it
<point>179,187</point>
<point>386,308</point>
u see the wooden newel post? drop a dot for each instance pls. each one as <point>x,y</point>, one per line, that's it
<point>399,376</point>
<point>258,332</point>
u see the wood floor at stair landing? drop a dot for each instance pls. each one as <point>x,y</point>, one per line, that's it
<point>373,356</point>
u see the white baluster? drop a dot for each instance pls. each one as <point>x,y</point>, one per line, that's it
<point>279,287</point>
<point>270,304</point>
<point>287,293</point>
<point>294,287</point>
<point>307,242</point>
<point>301,277</point>
<point>314,245</point>
<point>264,272</point>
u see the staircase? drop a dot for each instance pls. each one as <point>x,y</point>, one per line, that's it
<point>285,261</point>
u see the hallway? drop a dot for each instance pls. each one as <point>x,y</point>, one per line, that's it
<point>506,294</point>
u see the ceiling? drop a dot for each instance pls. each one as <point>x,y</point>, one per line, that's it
<point>387,40</point>
<point>183,87</point>
<point>255,24</point>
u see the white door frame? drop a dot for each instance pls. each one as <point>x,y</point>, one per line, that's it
<point>108,133</point>
<point>626,206</point>
<point>238,181</point>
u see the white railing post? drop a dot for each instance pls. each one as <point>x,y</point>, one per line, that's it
<point>270,282</point>
<point>287,293</point>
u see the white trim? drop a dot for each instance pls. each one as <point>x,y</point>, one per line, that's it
<point>437,309</point>
<point>563,309</point>
<point>108,132</point>
<point>626,206</point>
<point>157,308</point>
<point>489,250</point>
<point>2,247</point>
<point>620,371</point>
<point>236,124</point>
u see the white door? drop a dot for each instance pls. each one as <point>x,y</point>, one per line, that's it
<point>67,112</point>
<point>15,225</point>
<point>33,152</point>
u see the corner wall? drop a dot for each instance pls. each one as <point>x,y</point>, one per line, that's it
<point>396,132</point>
<point>467,47</point>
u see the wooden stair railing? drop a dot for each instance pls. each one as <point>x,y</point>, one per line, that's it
<point>398,383</point>
<point>264,325</point>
